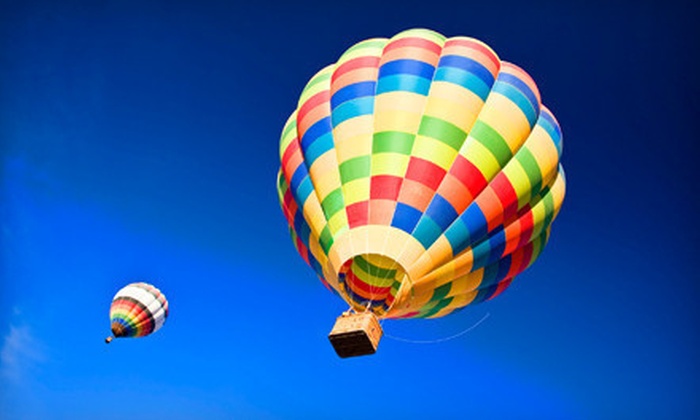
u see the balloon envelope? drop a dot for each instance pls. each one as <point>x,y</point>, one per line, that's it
<point>137,310</point>
<point>420,174</point>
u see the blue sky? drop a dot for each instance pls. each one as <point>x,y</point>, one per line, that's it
<point>139,142</point>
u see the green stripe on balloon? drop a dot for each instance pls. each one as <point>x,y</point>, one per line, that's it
<point>372,43</point>
<point>531,168</point>
<point>373,269</point>
<point>333,203</point>
<point>493,141</point>
<point>355,168</point>
<point>443,131</point>
<point>393,142</point>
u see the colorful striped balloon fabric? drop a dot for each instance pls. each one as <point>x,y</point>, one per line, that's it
<point>420,174</point>
<point>137,310</point>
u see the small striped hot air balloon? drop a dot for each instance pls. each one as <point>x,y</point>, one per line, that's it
<point>137,310</point>
<point>419,174</point>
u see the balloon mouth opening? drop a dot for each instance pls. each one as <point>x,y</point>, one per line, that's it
<point>371,282</point>
<point>118,329</point>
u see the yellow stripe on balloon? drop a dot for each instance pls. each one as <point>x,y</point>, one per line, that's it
<point>433,151</point>
<point>519,181</point>
<point>481,157</point>
<point>338,222</point>
<point>389,164</point>
<point>455,105</point>
<point>506,118</point>
<point>289,133</point>
<point>324,174</point>
<point>356,191</point>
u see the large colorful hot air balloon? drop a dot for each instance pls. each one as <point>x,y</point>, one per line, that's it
<point>420,174</point>
<point>137,310</point>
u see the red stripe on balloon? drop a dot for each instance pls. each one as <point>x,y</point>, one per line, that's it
<point>385,187</point>
<point>506,193</point>
<point>311,103</point>
<point>503,285</point>
<point>425,172</point>
<point>413,42</point>
<point>289,152</point>
<point>469,175</point>
<point>370,290</point>
<point>465,42</point>
<point>354,64</point>
<point>526,227</point>
<point>358,214</point>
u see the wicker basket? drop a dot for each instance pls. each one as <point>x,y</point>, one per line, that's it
<point>356,334</point>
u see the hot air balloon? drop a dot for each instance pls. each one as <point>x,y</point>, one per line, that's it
<point>137,310</point>
<point>419,175</point>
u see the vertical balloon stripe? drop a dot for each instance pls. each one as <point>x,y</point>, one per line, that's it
<point>517,176</point>
<point>353,87</point>
<point>462,83</point>
<point>406,70</point>
<point>306,244</point>
<point>290,210</point>
<point>486,151</point>
<point>493,139</point>
<point>548,123</point>
<point>317,142</point>
<point>297,176</point>
<point>289,206</point>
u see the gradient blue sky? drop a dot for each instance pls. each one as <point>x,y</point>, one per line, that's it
<point>139,142</point>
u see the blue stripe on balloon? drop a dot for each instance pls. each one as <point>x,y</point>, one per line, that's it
<point>547,116</point>
<point>297,178</point>
<point>305,189</point>
<point>490,276</point>
<point>427,231</point>
<point>521,86</point>
<point>457,234</point>
<point>353,91</point>
<point>497,244</point>
<point>547,122</point>
<point>518,98</point>
<point>485,294</point>
<point>405,217</point>
<point>467,64</point>
<point>476,224</point>
<point>313,262</point>
<point>407,67</point>
<point>351,109</point>
<point>302,228</point>
<point>464,79</point>
<point>406,83</point>
<point>320,146</point>
<point>481,253</point>
<point>318,129</point>
<point>504,267</point>
<point>441,211</point>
